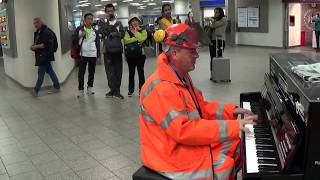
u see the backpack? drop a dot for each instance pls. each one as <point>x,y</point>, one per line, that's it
<point>55,41</point>
<point>75,48</point>
<point>133,50</point>
<point>113,44</point>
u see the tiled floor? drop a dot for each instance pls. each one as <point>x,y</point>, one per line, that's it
<point>60,137</point>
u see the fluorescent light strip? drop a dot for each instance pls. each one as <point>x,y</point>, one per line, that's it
<point>98,5</point>
<point>152,4</point>
<point>83,1</point>
<point>135,4</point>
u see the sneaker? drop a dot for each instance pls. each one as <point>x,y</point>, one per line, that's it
<point>109,94</point>
<point>118,96</point>
<point>89,91</point>
<point>54,90</point>
<point>130,94</point>
<point>34,93</point>
<point>81,94</point>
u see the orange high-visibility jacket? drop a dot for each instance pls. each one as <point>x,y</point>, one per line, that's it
<point>174,138</point>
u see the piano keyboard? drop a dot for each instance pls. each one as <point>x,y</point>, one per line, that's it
<point>260,153</point>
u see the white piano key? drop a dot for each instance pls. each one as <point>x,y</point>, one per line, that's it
<point>251,156</point>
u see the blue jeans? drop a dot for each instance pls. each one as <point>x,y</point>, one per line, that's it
<point>47,68</point>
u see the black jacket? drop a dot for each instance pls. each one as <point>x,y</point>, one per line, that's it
<point>45,55</point>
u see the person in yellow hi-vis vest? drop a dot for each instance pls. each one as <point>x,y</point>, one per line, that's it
<point>182,135</point>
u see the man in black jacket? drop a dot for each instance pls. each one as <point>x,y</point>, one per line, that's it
<point>112,32</point>
<point>43,47</point>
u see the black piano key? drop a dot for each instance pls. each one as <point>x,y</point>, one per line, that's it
<point>265,149</point>
<point>267,161</point>
<point>268,169</point>
<point>265,154</point>
<point>262,136</point>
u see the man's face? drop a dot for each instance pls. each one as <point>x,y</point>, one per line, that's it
<point>88,20</point>
<point>109,13</point>
<point>167,11</point>
<point>37,24</point>
<point>185,59</point>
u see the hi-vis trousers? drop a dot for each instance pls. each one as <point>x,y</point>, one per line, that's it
<point>226,159</point>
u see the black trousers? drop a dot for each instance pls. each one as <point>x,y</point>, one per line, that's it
<point>132,64</point>
<point>160,48</point>
<point>83,61</point>
<point>317,38</point>
<point>113,66</point>
<point>213,50</point>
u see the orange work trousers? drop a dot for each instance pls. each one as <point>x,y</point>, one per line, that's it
<point>226,159</point>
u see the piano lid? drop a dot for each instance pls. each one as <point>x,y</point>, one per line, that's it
<point>285,61</point>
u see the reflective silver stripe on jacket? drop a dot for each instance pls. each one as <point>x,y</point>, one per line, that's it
<point>202,174</point>
<point>238,150</point>
<point>223,154</point>
<point>170,117</point>
<point>226,174</point>
<point>223,130</point>
<point>145,115</point>
<point>194,115</point>
<point>219,111</point>
<point>150,87</point>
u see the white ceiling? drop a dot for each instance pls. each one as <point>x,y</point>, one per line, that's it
<point>148,9</point>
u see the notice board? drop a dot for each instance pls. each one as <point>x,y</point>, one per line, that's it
<point>252,16</point>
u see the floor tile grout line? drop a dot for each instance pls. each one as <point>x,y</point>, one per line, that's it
<point>48,147</point>
<point>7,173</point>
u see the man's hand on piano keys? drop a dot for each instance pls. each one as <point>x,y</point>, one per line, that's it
<point>245,112</point>
<point>250,119</point>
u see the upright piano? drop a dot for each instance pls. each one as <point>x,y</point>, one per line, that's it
<point>285,142</point>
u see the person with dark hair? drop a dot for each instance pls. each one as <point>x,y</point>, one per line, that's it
<point>165,21</point>
<point>316,21</point>
<point>189,20</point>
<point>133,40</point>
<point>218,25</point>
<point>112,32</point>
<point>43,47</point>
<point>177,20</point>
<point>90,51</point>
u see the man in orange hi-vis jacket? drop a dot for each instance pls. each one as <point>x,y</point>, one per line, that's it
<point>182,135</point>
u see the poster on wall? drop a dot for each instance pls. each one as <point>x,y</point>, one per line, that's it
<point>66,24</point>
<point>242,17</point>
<point>4,30</point>
<point>253,17</point>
